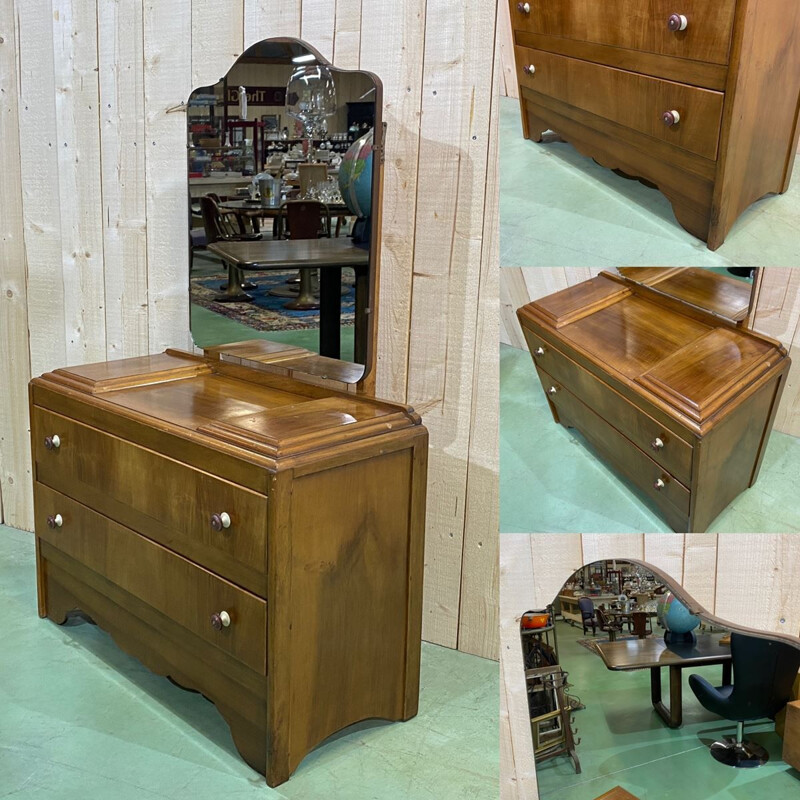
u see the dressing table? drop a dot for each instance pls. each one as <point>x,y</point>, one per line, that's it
<point>657,369</point>
<point>247,521</point>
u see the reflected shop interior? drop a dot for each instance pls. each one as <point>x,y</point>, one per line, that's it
<point>594,660</point>
<point>281,186</point>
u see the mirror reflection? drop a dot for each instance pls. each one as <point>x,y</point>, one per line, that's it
<point>594,660</point>
<point>726,292</point>
<point>281,185</point>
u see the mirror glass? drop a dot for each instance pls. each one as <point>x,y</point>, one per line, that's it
<point>282,187</point>
<point>728,293</point>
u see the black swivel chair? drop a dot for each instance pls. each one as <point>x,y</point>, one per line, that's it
<point>764,671</point>
<point>586,607</point>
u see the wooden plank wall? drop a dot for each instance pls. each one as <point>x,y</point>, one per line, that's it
<point>94,256</point>
<point>777,315</point>
<point>747,578</point>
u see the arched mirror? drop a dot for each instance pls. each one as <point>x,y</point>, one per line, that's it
<point>594,661</point>
<point>284,172</point>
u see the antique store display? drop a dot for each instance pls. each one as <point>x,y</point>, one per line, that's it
<point>248,522</point>
<point>699,98</point>
<point>656,368</point>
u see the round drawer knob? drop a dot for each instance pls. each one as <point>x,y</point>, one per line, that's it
<point>659,484</point>
<point>221,620</point>
<point>524,8</point>
<point>52,442</point>
<point>529,69</point>
<point>677,22</point>
<point>552,390</point>
<point>220,521</point>
<point>539,351</point>
<point>657,444</point>
<point>670,118</point>
<point>55,521</point>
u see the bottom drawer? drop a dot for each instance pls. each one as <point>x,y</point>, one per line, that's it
<point>670,496</point>
<point>179,589</point>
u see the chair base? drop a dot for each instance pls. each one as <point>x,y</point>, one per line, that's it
<point>743,755</point>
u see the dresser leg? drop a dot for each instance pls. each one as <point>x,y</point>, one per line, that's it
<point>533,128</point>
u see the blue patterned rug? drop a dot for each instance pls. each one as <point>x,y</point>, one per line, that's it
<point>266,313</point>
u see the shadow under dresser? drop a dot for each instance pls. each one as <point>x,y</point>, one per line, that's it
<point>678,400</point>
<point>699,97</point>
<point>253,537</point>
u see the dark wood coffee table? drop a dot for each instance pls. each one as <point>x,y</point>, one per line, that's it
<point>655,654</point>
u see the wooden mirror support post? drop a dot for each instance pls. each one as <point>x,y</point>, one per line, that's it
<point>254,537</point>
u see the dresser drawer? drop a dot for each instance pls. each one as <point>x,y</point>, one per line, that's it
<point>634,101</point>
<point>672,498</point>
<point>635,25</point>
<point>172,585</point>
<point>662,445</point>
<point>161,498</point>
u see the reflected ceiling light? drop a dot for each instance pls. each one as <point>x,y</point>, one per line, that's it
<point>304,58</point>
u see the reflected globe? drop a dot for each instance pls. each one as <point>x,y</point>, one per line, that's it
<point>673,615</point>
<point>355,176</point>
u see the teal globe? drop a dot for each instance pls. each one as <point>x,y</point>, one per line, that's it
<point>355,176</point>
<point>674,616</point>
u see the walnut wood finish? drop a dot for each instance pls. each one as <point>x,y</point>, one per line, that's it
<point>606,72</point>
<point>186,487</point>
<point>679,401</point>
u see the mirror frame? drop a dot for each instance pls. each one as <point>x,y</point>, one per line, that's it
<point>367,380</point>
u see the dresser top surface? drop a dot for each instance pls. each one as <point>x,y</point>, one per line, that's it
<point>268,414</point>
<point>690,361</point>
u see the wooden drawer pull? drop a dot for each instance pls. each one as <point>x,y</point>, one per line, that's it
<point>677,22</point>
<point>52,442</point>
<point>220,521</point>
<point>670,118</point>
<point>220,621</point>
<point>657,443</point>
<point>55,521</point>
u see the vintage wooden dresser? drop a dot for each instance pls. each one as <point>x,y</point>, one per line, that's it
<point>677,399</point>
<point>699,97</point>
<point>253,537</point>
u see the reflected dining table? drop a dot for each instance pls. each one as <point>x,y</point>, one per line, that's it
<point>328,255</point>
<point>254,212</point>
<point>655,654</point>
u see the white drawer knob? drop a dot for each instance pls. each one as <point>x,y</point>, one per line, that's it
<point>656,444</point>
<point>220,521</point>
<point>659,485</point>
<point>552,390</point>
<point>539,351</point>
<point>220,621</point>
<point>678,22</point>
<point>52,442</point>
<point>524,8</point>
<point>529,69</point>
<point>55,521</point>
<point>670,118</point>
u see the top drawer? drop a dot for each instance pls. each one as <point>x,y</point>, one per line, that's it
<point>635,24</point>
<point>169,502</point>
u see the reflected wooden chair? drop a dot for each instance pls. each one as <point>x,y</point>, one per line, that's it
<point>607,625</point>
<point>222,226</point>
<point>640,624</point>
<point>304,219</point>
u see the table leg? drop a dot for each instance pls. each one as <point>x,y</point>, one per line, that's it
<point>362,315</point>
<point>330,312</point>
<point>673,715</point>
<point>233,291</point>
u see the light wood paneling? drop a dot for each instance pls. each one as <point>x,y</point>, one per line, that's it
<point>745,578</point>
<point>95,252</point>
<point>777,314</point>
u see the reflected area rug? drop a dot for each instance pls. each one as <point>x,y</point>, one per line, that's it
<point>266,313</point>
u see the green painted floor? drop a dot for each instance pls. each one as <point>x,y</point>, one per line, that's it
<point>624,743</point>
<point>209,329</point>
<point>80,720</point>
<point>550,482</point>
<point>561,209</point>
